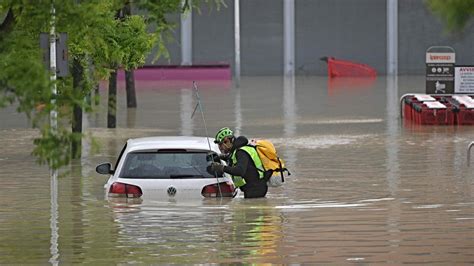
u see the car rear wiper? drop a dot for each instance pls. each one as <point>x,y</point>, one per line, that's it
<point>186,176</point>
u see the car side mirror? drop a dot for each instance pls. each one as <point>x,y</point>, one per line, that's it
<point>104,169</point>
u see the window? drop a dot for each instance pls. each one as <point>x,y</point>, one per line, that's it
<point>167,164</point>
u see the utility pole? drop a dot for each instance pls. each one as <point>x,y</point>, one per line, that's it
<point>55,58</point>
<point>52,60</point>
<point>187,36</point>
<point>237,40</point>
<point>289,37</point>
<point>392,37</point>
<point>54,130</point>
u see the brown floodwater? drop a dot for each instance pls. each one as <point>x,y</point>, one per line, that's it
<point>365,188</point>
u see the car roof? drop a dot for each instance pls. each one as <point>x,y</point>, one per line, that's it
<point>171,142</point>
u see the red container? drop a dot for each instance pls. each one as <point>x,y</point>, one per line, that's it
<point>427,116</point>
<point>408,111</point>
<point>465,116</point>
<point>416,112</point>
<point>451,112</point>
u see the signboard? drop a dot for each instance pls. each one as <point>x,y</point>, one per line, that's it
<point>61,53</point>
<point>464,79</point>
<point>440,70</point>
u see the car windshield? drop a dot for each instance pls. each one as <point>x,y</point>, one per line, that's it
<point>167,164</point>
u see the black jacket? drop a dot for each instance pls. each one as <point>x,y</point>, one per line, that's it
<point>255,186</point>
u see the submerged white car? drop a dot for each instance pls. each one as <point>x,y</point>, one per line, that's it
<point>166,167</point>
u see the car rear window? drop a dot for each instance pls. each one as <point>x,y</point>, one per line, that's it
<point>167,164</point>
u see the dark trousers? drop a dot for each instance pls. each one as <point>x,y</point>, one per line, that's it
<point>255,189</point>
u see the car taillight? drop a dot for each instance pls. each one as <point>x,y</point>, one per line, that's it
<point>125,190</point>
<point>212,191</point>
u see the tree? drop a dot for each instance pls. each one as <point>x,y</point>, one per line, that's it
<point>133,44</point>
<point>95,38</point>
<point>455,13</point>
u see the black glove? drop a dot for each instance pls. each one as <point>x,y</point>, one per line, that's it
<point>215,168</point>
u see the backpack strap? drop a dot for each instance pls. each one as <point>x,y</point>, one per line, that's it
<point>269,173</point>
<point>281,172</point>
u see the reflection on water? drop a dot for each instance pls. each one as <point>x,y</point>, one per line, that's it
<point>54,218</point>
<point>187,108</point>
<point>364,188</point>
<point>207,231</point>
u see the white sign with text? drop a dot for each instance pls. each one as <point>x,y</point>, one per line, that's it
<point>440,58</point>
<point>464,79</point>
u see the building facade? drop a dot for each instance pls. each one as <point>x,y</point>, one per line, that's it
<point>353,30</point>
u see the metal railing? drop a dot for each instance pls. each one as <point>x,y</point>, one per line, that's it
<point>401,103</point>
<point>469,153</point>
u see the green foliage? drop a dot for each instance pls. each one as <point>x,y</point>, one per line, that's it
<point>97,39</point>
<point>23,76</point>
<point>455,13</point>
<point>54,149</point>
<point>134,41</point>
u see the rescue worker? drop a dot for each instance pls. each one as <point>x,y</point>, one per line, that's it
<point>243,162</point>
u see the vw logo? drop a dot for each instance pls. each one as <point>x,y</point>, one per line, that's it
<point>171,191</point>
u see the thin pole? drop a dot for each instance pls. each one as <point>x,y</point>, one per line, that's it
<point>205,128</point>
<point>237,41</point>
<point>187,36</point>
<point>54,128</point>
<point>202,114</point>
<point>52,59</point>
<point>289,37</point>
<point>392,37</point>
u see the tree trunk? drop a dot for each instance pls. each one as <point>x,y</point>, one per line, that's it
<point>130,87</point>
<point>129,75</point>
<point>7,23</point>
<point>112,106</point>
<point>77,83</point>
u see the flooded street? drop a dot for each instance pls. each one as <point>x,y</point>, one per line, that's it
<point>364,189</point>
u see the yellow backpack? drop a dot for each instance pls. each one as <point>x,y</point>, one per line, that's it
<point>274,166</point>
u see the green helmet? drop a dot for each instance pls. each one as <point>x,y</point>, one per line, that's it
<point>222,133</point>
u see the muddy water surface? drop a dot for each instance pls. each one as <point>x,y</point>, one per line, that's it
<point>365,188</point>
